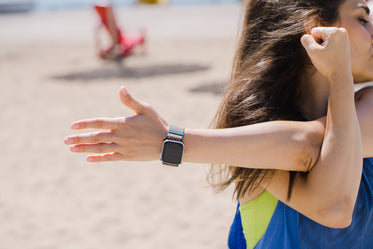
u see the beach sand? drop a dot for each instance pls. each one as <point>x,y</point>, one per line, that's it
<point>50,76</point>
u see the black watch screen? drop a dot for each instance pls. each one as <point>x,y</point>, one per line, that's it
<point>172,152</point>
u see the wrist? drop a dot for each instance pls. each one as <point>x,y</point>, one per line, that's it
<point>173,146</point>
<point>340,79</point>
<point>341,85</point>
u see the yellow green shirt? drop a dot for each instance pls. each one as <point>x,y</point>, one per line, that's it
<point>255,217</point>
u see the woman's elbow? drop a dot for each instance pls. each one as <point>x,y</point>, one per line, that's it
<point>339,215</point>
<point>338,221</point>
<point>308,154</point>
<point>310,145</point>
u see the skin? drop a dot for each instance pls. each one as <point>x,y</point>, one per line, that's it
<point>360,30</point>
<point>328,196</point>
<point>338,170</point>
<point>140,138</point>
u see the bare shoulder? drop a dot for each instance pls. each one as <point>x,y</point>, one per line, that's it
<point>364,109</point>
<point>364,95</point>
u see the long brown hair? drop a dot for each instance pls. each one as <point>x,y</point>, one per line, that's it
<point>267,69</point>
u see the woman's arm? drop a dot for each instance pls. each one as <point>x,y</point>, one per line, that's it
<point>282,145</point>
<point>329,192</point>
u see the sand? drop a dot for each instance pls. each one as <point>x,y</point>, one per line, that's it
<point>50,76</point>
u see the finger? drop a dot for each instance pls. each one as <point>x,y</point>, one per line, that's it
<point>90,138</point>
<point>114,156</point>
<point>129,101</point>
<point>319,34</point>
<point>323,34</point>
<point>98,123</point>
<point>94,148</point>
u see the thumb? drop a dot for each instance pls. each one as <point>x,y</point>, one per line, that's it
<point>129,101</point>
<point>309,43</point>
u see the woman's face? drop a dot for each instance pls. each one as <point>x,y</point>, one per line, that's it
<point>355,18</point>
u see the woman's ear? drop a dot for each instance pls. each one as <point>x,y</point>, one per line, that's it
<point>310,24</point>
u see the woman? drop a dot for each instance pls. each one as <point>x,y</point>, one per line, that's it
<point>297,60</point>
<point>308,96</point>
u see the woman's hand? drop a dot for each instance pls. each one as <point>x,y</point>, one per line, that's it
<point>329,50</point>
<point>135,138</point>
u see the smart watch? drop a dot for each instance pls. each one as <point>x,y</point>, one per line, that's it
<point>173,146</point>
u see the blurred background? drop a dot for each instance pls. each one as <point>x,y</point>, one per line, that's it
<point>84,4</point>
<point>53,72</point>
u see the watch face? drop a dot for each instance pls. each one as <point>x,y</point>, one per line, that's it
<point>172,151</point>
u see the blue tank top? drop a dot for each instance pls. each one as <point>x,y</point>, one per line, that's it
<point>288,229</point>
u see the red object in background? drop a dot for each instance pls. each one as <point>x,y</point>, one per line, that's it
<point>123,45</point>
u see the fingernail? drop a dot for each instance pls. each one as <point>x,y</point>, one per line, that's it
<point>69,140</point>
<point>74,149</point>
<point>124,91</point>
<point>75,126</point>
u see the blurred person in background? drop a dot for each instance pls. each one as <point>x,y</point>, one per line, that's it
<point>121,45</point>
<point>154,1</point>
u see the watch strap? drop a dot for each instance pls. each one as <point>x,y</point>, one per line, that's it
<point>170,164</point>
<point>175,133</point>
